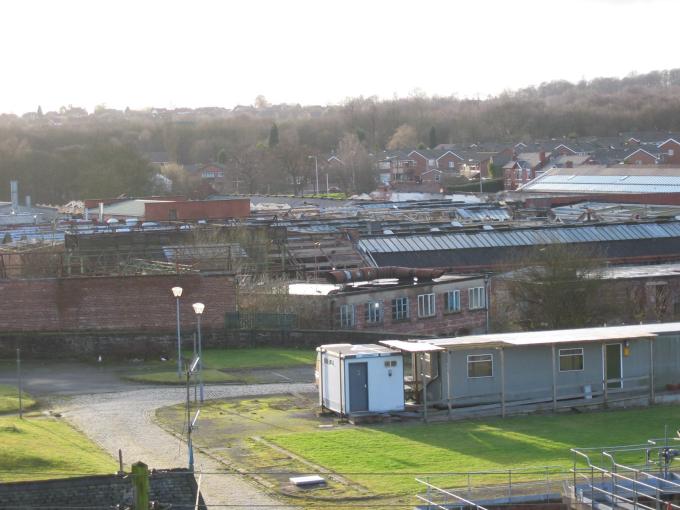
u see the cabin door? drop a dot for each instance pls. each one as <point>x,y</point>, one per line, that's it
<point>614,365</point>
<point>358,387</point>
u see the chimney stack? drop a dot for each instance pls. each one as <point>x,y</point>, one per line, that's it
<point>541,155</point>
<point>14,193</point>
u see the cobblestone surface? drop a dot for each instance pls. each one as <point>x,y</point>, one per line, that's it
<point>125,420</point>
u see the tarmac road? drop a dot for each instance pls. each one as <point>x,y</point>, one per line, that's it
<point>124,420</point>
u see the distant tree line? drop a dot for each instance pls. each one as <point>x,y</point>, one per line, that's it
<point>91,157</point>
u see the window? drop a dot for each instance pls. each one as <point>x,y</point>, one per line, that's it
<point>347,316</point>
<point>452,164</point>
<point>400,309</point>
<point>374,312</point>
<point>426,306</point>
<point>391,363</point>
<point>571,360</point>
<point>172,214</point>
<point>476,298</point>
<point>452,301</point>
<point>480,365</point>
<point>431,162</point>
<point>671,152</point>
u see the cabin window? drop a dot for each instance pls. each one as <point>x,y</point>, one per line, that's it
<point>452,301</point>
<point>476,298</point>
<point>571,360</point>
<point>347,319</point>
<point>426,305</point>
<point>400,309</point>
<point>480,365</point>
<point>374,312</point>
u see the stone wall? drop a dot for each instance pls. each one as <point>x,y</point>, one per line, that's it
<point>102,491</point>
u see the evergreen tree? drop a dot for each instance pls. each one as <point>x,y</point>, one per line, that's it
<point>433,137</point>
<point>273,136</point>
<point>40,113</point>
<point>222,157</point>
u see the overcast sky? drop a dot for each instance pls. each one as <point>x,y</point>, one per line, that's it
<point>169,53</point>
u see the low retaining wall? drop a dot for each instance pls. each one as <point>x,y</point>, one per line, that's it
<point>88,346</point>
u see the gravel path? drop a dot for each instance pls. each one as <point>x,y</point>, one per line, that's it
<point>125,420</point>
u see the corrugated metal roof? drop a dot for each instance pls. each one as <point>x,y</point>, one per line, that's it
<point>538,236</point>
<point>606,183</point>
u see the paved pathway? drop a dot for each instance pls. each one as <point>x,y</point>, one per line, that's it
<point>125,420</point>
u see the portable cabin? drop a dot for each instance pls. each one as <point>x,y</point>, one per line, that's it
<point>364,378</point>
<point>543,370</point>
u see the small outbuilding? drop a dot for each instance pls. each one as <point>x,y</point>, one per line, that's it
<point>364,378</point>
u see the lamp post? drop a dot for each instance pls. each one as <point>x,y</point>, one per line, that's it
<point>177,292</point>
<point>198,308</point>
<point>316,173</point>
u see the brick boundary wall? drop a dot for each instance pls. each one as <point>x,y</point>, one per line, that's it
<point>113,303</point>
<point>125,346</point>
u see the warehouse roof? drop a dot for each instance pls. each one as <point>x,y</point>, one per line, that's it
<point>520,237</point>
<point>608,179</point>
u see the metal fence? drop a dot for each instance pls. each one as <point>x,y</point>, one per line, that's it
<point>260,320</point>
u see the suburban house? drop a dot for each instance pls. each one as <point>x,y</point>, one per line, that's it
<point>523,168</point>
<point>670,152</point>
<point>509,373</point>
<point>427,160</point>
<point>641,157</point>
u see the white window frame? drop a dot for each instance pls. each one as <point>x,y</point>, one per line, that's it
<point>374,312</point>
<point>563,354</point>
<point>427,305</point>
<point>487,358</point>
<point>401,312</point>
<point>671,152</point>
<point>452,296</point>
<point>347,316</point>
<point>476,298</point>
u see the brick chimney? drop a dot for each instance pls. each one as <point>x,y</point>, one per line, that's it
<point>541,155</point>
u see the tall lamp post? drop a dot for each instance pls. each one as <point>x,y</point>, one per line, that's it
<point>316,173</point>
<point>198,308</point>
<point>177,292</point>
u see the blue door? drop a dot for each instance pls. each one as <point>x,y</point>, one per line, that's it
<point>358,387</point>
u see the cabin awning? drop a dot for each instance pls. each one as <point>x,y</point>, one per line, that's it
<point>411,346</point>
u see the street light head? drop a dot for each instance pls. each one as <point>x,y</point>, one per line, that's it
<point>177,291</point>
<point>198,308</point>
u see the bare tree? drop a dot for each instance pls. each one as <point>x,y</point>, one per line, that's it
<point>356,174</point>
<point>559,287</point>
<point>404,137</point>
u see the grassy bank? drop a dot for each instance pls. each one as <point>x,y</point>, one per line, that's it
<point>225,365</point>
<point>9,399</point>
<point>41,448</point>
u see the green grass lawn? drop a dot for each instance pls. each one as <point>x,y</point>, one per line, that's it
<point>40,448</point>
<point>225,365</point>
<point>9,399</point>
<point>479,445</point>
<point>386,458</point>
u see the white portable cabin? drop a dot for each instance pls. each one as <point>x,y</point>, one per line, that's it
<point>365,378</point>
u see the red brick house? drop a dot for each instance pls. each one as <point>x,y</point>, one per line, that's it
<point>670,151</point>
<point>641,157</point>
<point>523,169</point>
<point>434,160</point>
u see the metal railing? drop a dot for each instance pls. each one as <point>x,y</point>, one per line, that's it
<point>500,485</point>
<point>599,483</point>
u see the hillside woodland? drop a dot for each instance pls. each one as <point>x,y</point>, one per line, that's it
<point>59,156</point>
